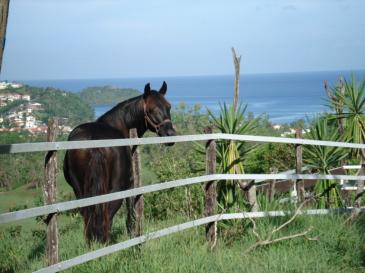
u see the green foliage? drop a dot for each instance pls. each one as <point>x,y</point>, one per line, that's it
<point>268,156</point>
<point>171,164</point>
<point>189,120</point>
<point>55,103</point>
<point>322,159</point>
<point>101,95</point>
<point>230,154</point>
<point>11,105</point>
<point>19,169</point>
<point>353,103</point>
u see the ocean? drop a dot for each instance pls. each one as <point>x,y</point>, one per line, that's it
<point>284,97</point>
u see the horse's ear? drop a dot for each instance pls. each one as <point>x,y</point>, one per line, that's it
<point>147,90</point>
<point>163,88</point>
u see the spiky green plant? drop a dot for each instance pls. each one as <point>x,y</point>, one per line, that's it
<point>230,154</point>
<point>322,159</point>
<point>353,115</point>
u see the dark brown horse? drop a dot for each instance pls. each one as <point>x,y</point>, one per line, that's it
<point>99,171</point>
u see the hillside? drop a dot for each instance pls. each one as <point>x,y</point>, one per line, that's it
<point>101,95</point>
<point>46,103</point>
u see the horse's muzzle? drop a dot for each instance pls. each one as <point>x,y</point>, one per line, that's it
<point>170,132</point>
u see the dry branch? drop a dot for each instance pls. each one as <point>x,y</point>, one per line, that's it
<point>269,240</point>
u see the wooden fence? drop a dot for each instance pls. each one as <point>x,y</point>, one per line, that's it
<point>52,209</point>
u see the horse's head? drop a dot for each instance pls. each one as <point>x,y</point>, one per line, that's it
<point>157,111</point>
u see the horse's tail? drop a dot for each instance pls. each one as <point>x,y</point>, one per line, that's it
<point>97,223</point>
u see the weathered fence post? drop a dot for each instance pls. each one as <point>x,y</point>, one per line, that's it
<point>359,190</point>
<point>251,196</point>
<point>299,165</point>
<point>49,194</point>
<point>210,204</point>
<point>272,185</point>
<point>136,204</point>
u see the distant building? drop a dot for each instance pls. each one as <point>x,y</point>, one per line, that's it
<point>4,85</point>
<point>26,97</point>
<point>34,106</point>
<point>30,122</point>
<point>277,126</point>
<point>38,129</point>
<point>10,97</point>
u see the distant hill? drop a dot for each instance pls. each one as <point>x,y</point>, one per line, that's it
<point>54,103</point>
<point>101,95</point>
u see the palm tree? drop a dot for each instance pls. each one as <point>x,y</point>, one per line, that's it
<point>353,102</point>
<point>322,159</point>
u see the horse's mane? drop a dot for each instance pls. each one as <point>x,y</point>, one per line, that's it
<point>120,108</point>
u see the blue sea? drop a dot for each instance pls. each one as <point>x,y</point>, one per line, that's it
<point>285,97</point>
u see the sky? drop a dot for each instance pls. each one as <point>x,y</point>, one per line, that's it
<point>88,39</point>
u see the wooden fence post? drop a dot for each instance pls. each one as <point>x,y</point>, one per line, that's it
<point>210,204</point>
<point>299,165</point>
<point>251,196</point>
<point>272,185</point>
<point>49,194</point>
<point>136,204</point>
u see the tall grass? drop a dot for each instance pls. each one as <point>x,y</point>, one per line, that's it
<point>339,249</point>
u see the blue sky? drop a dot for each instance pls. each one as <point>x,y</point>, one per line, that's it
<point>73,39</point>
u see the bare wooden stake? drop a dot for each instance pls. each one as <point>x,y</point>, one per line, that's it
<point>49,194</point>
<point>136,204</point>
<point>237,63</point>
<point>210,204</point>
<point>4,11</point>
<point>299,165</point>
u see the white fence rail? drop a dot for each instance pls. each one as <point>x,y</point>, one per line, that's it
<point>80,203</point>
<point>70,145</point>
<point>64,206</point>
<point>174,229</point>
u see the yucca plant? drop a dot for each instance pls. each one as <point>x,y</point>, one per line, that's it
<point>322,159</point>
<point>353,102</point>
<point>230,154</point>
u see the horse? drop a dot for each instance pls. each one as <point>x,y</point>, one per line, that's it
<point>97,171</point>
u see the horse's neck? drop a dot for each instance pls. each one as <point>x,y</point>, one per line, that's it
<point>127,117</point>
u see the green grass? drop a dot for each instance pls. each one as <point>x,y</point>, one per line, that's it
<point>339,249</point>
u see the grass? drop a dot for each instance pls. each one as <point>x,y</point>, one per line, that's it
<point>339,249</point>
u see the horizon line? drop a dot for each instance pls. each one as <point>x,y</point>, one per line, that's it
<point>188,76</point>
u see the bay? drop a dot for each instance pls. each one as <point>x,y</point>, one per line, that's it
<point>285,97</point>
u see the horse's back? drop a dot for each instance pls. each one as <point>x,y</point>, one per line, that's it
<point>108,167</point>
